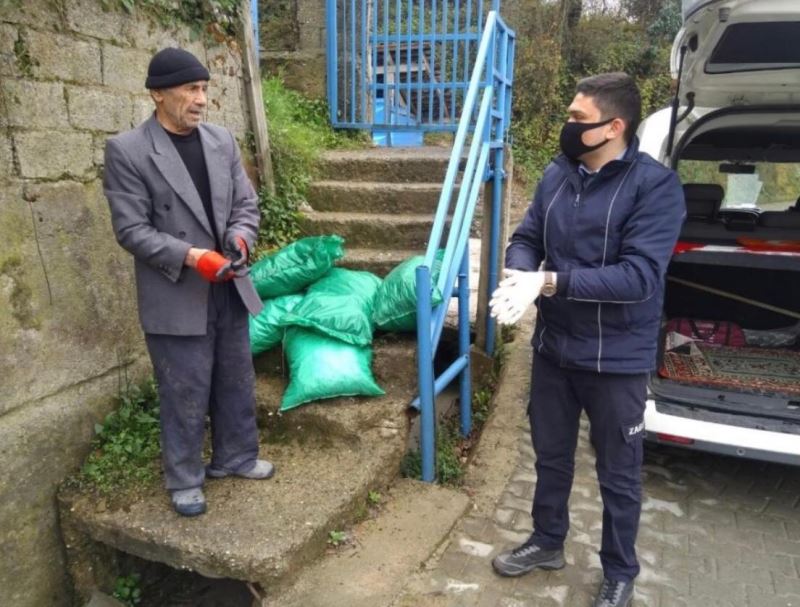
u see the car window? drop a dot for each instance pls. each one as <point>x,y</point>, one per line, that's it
<point>771,186</point>
<point>756,46</point>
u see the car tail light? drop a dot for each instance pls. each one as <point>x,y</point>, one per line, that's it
<point>672,438</point>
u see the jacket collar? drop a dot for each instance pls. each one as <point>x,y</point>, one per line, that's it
<point>570,167</point>
<point>172,168</point>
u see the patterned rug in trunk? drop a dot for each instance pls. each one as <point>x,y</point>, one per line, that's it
<point>753,370</point>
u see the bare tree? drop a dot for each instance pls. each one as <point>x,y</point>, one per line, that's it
<point>571,11</point>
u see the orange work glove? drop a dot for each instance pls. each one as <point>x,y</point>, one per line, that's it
<point>214,267</point>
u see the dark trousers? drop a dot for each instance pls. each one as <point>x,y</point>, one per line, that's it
<point>614,405</point>
<point>213,375</point>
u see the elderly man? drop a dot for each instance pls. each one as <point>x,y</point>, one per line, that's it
<point>183,206</point>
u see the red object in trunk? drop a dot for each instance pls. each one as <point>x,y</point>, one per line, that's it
<point>682,246</point>
<point>783,246</point>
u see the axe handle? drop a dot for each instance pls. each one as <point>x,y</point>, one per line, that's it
<point>721,293</point>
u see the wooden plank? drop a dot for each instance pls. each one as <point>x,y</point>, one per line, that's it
<point>255,101</point>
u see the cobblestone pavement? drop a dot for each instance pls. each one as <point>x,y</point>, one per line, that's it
<point>714,531</point>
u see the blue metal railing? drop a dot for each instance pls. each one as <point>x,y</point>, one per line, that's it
<point>254,21</point>
<point>427,65</point>
<point>486,114</point>
<point>408,58</point>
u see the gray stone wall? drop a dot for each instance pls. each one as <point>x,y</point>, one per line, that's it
<point>71,75</point>
<point>292,40</point>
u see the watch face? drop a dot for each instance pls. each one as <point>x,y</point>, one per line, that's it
<point>548,290</point>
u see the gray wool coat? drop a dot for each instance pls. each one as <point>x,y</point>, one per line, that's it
<point>157,216</point>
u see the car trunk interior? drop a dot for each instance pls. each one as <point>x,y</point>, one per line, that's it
<point>731,334</point>
<point>725,343</point>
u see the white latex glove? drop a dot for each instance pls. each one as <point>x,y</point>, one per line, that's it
<point>514,294</point>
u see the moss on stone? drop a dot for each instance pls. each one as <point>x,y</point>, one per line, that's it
<point>21,294</point>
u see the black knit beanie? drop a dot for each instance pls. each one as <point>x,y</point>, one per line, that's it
<point>173,66</point>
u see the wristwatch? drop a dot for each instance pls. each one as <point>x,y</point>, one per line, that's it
<point>549,286</point>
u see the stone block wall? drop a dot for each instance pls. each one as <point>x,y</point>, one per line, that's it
<point>292,39</point>
<point>71,75</point>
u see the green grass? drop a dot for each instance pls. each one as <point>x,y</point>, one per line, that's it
<point>126,448</point>
<point>299,131</point>
<point>449,470</point>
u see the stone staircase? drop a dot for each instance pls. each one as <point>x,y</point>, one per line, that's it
<point>328,455</point>
<point>381,200</point>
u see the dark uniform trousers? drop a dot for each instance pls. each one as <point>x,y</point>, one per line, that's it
<point>614,405</point>
<point>212,375</point>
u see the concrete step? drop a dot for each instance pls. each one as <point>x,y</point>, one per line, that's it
<point>371,230</point>
<point>328,455</point>
<point>382,552</point>
<point>375,197</point>
<point>418,165</point>
<point>256,531</point>
<point>377,261</point>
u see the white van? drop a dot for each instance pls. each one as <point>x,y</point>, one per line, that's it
<point>728,378</point>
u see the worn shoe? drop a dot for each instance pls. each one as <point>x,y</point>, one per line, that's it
<point>189,502</point>
<point>614,594</point>
<point>261,470</point>
<point>527,557</point>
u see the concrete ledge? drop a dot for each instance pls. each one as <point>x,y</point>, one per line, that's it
<point>328,455</point>
<point>385,550</point>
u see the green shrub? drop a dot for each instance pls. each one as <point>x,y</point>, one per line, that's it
<point>126,448</point>
<point>127,589</point>
<point>299,130</point>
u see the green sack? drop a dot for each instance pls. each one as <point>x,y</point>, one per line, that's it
<point>296,266</point>
<point>321,367</point>
<point>396,302</point>
<point>339,305</point>
<point>266,330</point>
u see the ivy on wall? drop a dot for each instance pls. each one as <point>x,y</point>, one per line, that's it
<point>198,14</point>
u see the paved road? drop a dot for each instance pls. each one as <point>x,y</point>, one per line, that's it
<point>715,531</point>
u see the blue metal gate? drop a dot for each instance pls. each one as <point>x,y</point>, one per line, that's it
<point>401,64</point>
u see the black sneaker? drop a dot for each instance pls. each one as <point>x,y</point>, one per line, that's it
<point>614,594</point>
<point>527,557</point>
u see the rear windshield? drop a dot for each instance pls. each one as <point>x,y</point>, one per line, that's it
<point>767,186</point>
<point>756,46</point>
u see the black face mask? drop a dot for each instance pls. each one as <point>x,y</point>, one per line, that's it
<point>571,138</point>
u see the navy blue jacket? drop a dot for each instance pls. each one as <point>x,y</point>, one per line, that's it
<point>610,240</point>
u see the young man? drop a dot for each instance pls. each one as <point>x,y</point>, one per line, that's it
<point>592,250</point>
<point>183,206</point>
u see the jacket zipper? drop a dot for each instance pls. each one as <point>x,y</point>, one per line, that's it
<point>575,206</point>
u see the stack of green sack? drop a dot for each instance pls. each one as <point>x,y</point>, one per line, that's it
<point>325,317</point>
